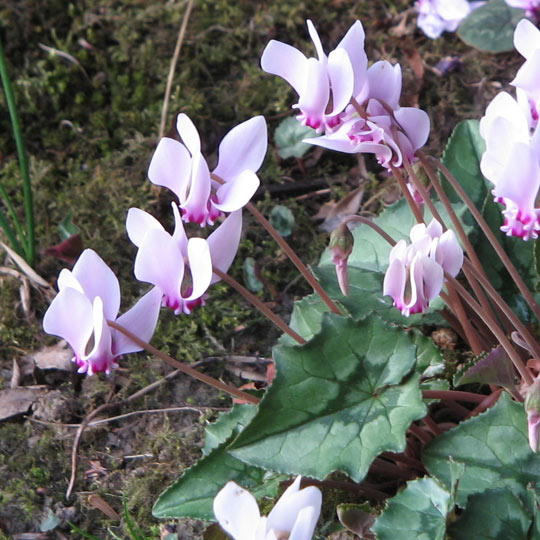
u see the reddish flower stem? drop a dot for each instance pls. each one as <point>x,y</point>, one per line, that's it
<point>185,368</point>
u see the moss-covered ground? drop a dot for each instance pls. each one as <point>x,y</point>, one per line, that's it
<point>89,80</point>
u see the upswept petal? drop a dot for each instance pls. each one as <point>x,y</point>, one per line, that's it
<point>528,76</point>
<point>286,62</point>
<point>97,279</point>
<point>432,276</point>
<point>314,99</point>
<point>160,263</point>
<point>223,243</point>
<point>304,526</point>
<point>395,281</point>
<point>170,166</point>
<point>449,253</point>
<point>141,320</point>
<point>384,81</point>
<point>70,317</point>
<point>179,234</point>
<point>200,265</point>
<point>236,193</point>
<point>353,43</point>
<point>520,184</point>
<point>138,223</point>
<point>285,513</point>
<point>526,38</point>
<point>188,133</point>
<point>434,229</point>
<point>101,357</point>
<point>314,35</point>
<point>237,512</point>
<point>415,123</point>
<point>67,279</point>
<point>244,147</point>
<point>452,9</point>
<point>341,75</point>
<point>399,251</point>
<point>196,204</point>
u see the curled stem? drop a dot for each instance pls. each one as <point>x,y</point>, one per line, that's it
<point>185,368</point>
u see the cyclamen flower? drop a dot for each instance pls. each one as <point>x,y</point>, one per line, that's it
<point>293,517</point>
<point>512,163</point>
<point>531,7</point>
<point>438,16</point>
<point>323,83</point>
<point>162,258</point>
<point>415,275</point>
<point>374,122</point>
<point>88,296</point>
<point>183,169</point>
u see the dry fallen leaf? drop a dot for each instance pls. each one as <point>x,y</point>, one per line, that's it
<point>333,213</point>
<point>17,401</point>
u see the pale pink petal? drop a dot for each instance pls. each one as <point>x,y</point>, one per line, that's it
<point>140,320</point>
<point>314,35</point>
<point>394,282</point>
<point>67,279</point>
<point>138,223</point>
<point>97,279</point>
<point>160,262</point>
<point>100,358</point>
<point>236,193</point>
<point>305,523</point>
<point>432,276</point>
<point>244,147</point>
<point>314,99</point>
<point>434,229</point>
<point>179,235</point>
<point>70,317</point>
<point>340,72</point>
<point>353,43</point>
<point>196,204</point>
<point>188,133</point>
<point>526,37</point>
<point>200,265</point>
<point>528,76</point>
<point>237,512</point>
<point>399,251</point>
<point>170,166</point>
<point>223,242</point>
<point>449,253</point>
<point>286,62</point>
<point>452,10</point>
<point>415,123</point>
<point>285,513</point>
<point>384,81</point>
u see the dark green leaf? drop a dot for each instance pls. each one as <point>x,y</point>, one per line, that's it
<point>289,136</point>
<point>193,493</point>
<point>364,402</point>
<point>491,27</point>
<point>419,512</point>
<point>493,515</point>
<point>282,219</point>
<point>494,448</point>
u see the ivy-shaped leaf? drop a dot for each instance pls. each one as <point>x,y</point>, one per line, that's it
<point>493,515</point>
<point>337,402</point>
<point>192,495</point>
<point>289,136</point>
<point>494,448</point>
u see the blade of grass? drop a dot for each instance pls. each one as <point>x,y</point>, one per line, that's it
<point>11,209</point>
<point>28,239</point>
<point>81,532</point>
<point>134,529</point>
<point>10,233</point>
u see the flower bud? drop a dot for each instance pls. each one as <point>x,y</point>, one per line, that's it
<point>341,245</point>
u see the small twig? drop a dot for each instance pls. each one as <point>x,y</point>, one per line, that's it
<point>176,54</point>
<point>95,412</point>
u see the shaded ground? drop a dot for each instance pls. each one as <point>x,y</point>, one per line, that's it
<point>90,122</point>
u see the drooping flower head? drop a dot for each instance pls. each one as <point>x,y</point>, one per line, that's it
<point>88,296</point>
<point>293,517</point>
<point>325,84</point>
<point>180,267</point>
<point>415,275</point>
<point>357,108</point>
<point>204,196</point>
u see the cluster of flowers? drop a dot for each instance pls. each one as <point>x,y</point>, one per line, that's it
<point>180,268</point>
<point>355,107</point>
<point>510,128</point>
<point>415,275</point>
